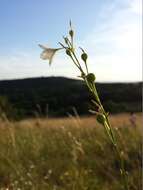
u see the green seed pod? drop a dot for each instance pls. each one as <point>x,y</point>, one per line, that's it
<point>101,118</point>
<point>68,52</point>
<point>90,77</point>
<point>84,57</point>
<point>71,33</point>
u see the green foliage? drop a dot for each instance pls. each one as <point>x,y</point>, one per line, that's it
<point>62,94</point>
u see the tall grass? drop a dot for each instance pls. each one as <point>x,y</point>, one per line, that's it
<point>67,154</point>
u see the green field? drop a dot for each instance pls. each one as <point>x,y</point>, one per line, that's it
<point>68,154</point>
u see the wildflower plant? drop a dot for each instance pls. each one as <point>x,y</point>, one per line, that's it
<point>90,80</point>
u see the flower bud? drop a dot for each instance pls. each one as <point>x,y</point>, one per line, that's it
<point>68,52</point>
<point>90,77</point>
<point>66,40</point>
<point>71,33</point>
<point>84,57</point>
<point>101,118</point>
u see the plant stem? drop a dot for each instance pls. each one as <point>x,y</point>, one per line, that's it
<point>109,131</point>
<point>106,123</point>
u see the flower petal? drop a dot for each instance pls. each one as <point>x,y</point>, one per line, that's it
<point>43,47</point>
<point>48,53</point>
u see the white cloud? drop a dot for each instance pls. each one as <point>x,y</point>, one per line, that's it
<point>136,6</point>
<point>115,45</point>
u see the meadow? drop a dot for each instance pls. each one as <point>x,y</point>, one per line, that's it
<point>71,153</point>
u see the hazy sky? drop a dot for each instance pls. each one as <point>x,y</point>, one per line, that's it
<point>110,31</point>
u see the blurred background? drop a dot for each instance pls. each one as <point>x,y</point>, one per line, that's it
<point>110,31</point>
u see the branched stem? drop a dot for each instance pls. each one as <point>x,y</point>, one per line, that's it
<point>103,119</point>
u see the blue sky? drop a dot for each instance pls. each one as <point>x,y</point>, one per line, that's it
<point>110,31</point>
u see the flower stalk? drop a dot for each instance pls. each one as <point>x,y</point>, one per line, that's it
<point>101,115</point>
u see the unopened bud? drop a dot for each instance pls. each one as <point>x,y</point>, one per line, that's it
<point>66,40</point>
<point>68,52</point>
<point>90,77</point>
<point>71,33</point>
<point>84,57</point>
<point>101,118</point>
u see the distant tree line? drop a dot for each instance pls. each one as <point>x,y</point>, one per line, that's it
<point>57,96</point>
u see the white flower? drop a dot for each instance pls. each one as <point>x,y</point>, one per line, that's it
<point>48,53</point>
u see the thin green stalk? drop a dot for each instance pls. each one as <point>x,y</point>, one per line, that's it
<point>110,133</point>
<point>75,62</point>
<point>86,67</point>
<point>106,124</point>
<point>72,54</point>
<point>102,115</point>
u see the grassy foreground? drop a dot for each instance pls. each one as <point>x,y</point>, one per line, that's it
<point>68,154</point>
